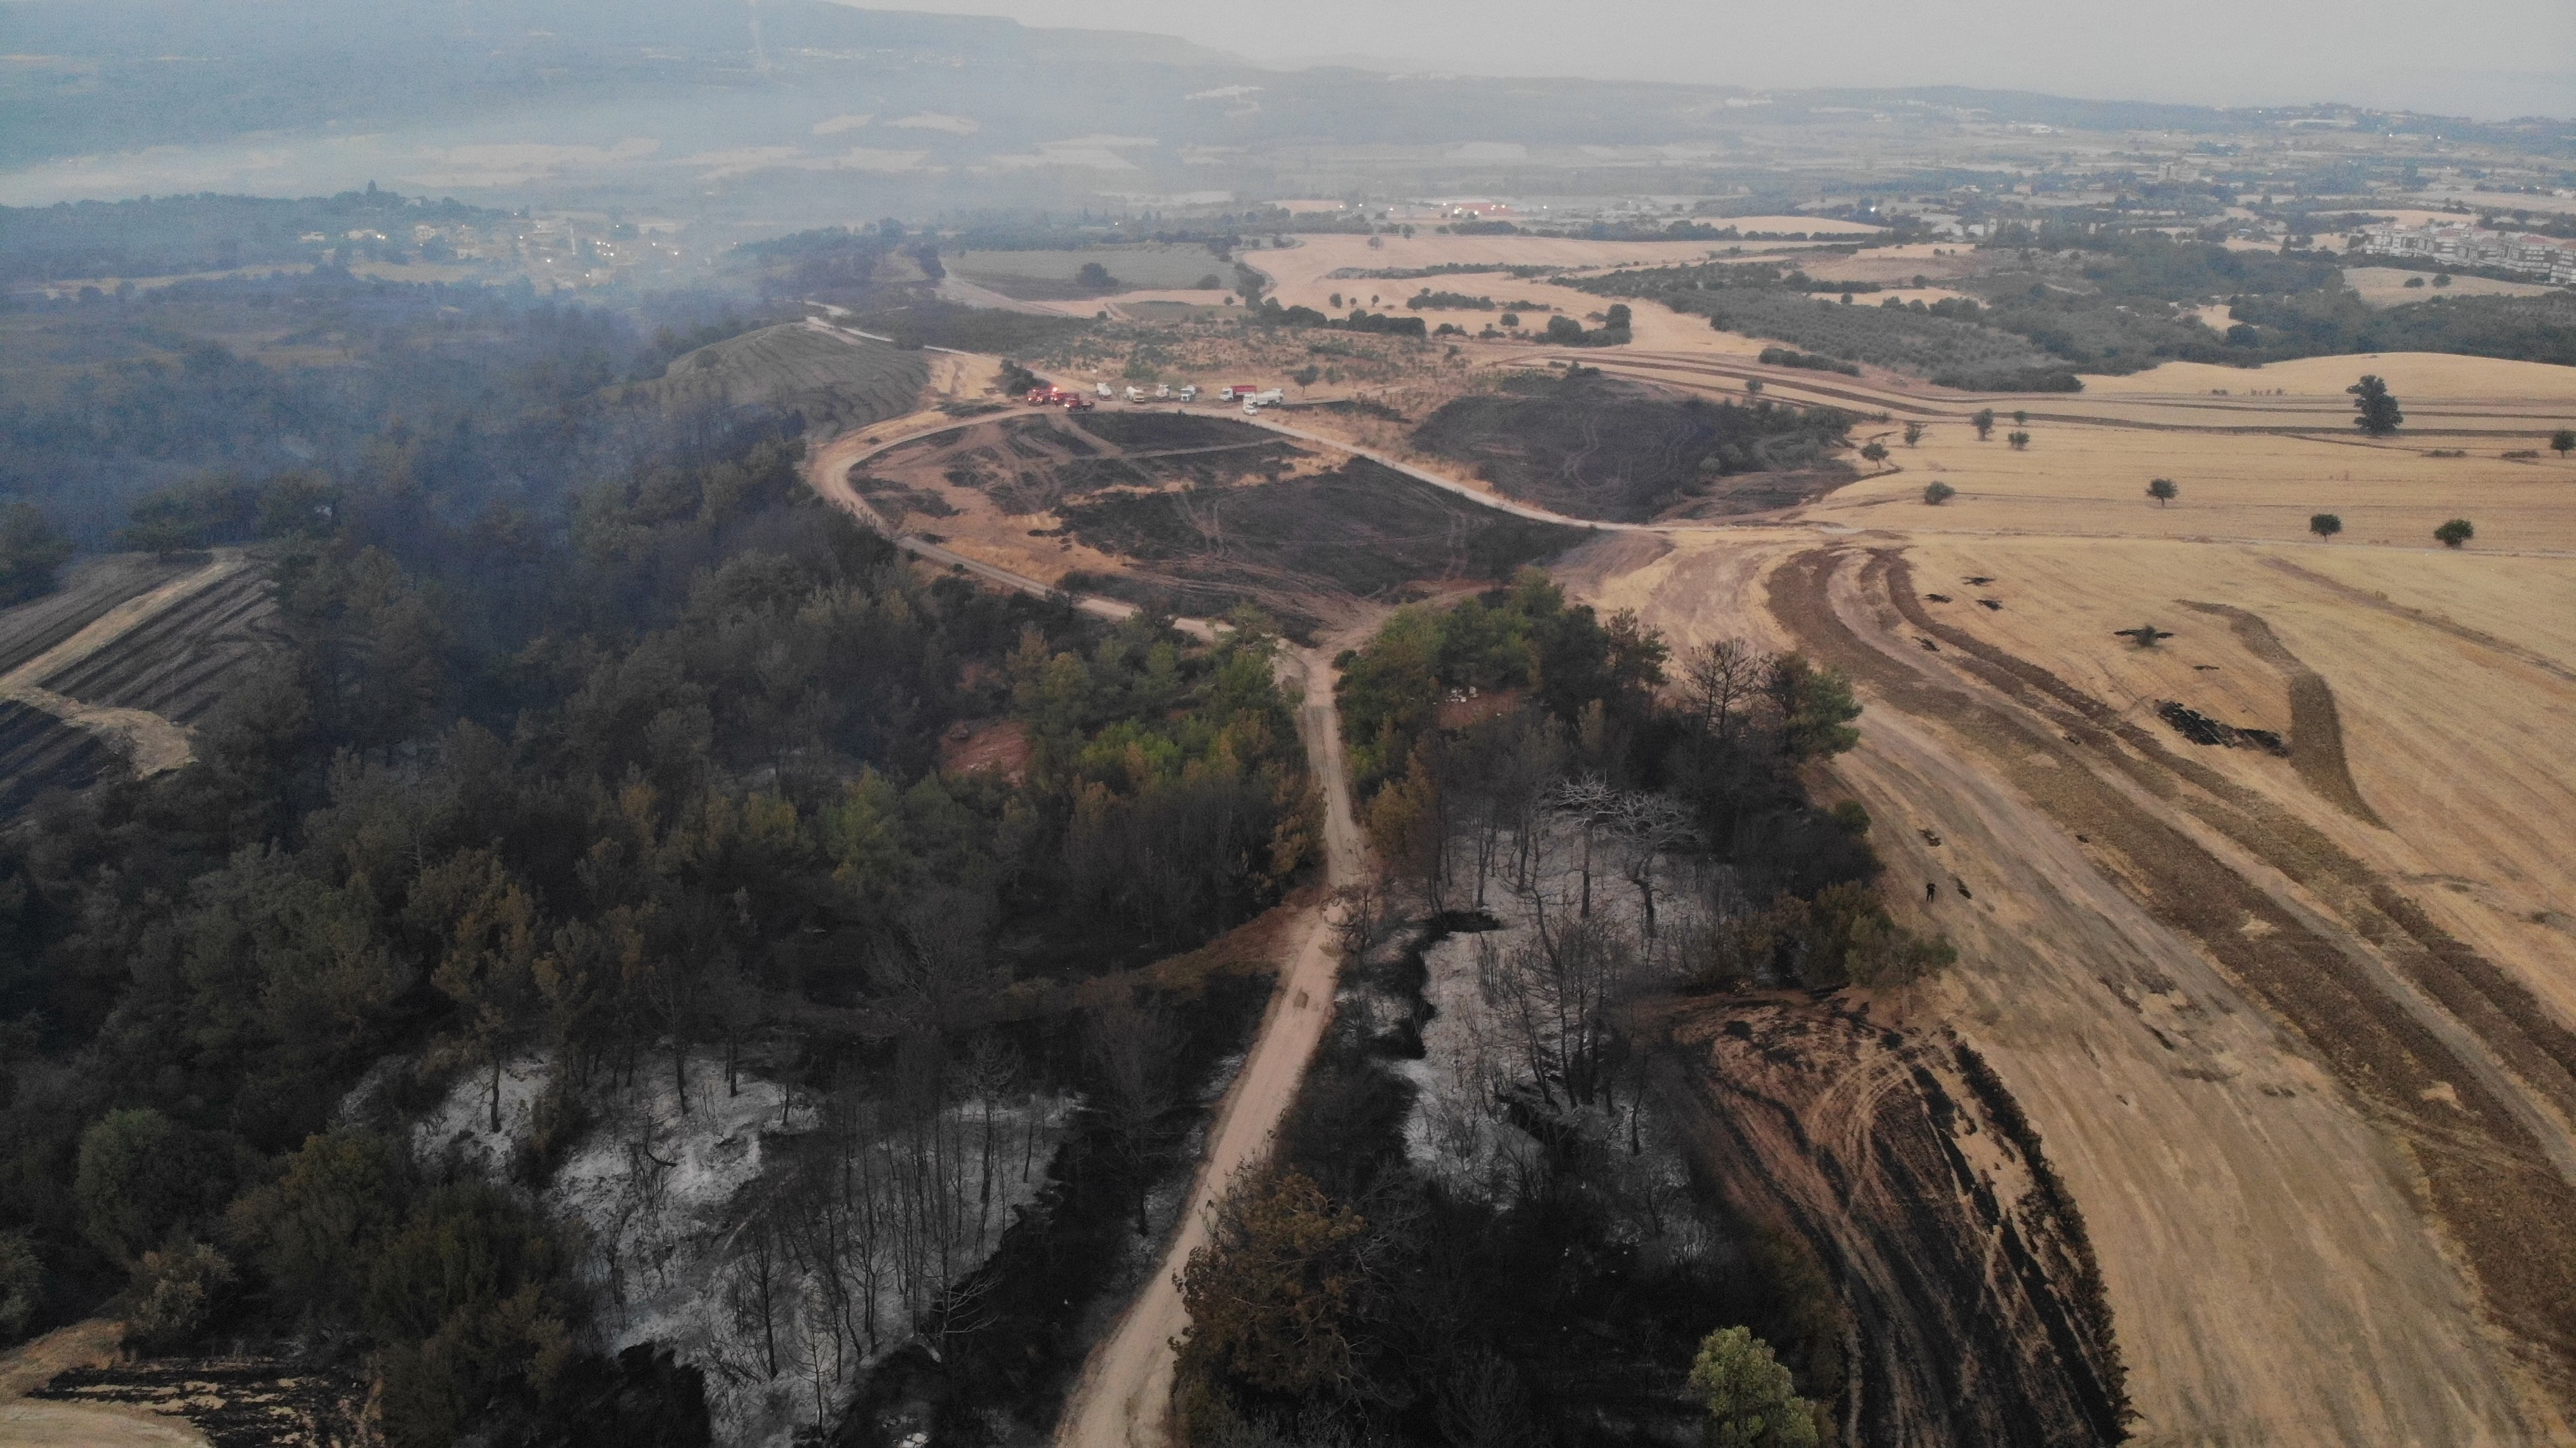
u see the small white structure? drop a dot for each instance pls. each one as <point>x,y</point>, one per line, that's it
<point>1105,393</point>
<point>1162,389</point>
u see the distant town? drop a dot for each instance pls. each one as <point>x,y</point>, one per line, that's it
<point>2541,256</point>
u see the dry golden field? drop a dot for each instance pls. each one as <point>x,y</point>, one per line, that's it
<point>2300,1030</point>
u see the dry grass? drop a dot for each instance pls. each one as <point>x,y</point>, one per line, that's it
<point>2079,478</point>
<point>2385,286</point>
<point>2438,730</point>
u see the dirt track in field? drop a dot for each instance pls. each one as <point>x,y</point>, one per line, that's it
<point>2469,1139</point>
<point>2316,726</point>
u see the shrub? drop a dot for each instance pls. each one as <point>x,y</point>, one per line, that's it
<point>2019,440</point>
<point>22,1284</point>
<point>313,1232</point>
<point>2456,532</point>
<point>31,548</point>
<point>140,1178</point>
<point>1752,1401</point>
<point>2325,525</point>
<point>174,1292</point>
<point>1938,493</point>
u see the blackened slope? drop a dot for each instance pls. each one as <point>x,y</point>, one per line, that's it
<point>1595,447</point>
<point>1296,545</point>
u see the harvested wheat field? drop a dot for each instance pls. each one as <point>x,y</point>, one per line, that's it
<point>2270,924</point>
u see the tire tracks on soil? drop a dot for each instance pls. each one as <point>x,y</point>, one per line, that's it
<point>2491,1184</point>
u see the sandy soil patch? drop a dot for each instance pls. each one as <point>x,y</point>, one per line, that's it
<point>995,746</point>
<point>94,1425</point>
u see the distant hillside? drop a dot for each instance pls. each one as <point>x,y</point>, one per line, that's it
<point>169,235</point>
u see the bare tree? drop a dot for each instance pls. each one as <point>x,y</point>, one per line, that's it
<point>1129,1046</point>
<point>1648,826</point>
<point>758,1291</point>
<point>1588,802</point>
<point>1558,989</point>
<point>990,1072</point>
<point>1719,679</point>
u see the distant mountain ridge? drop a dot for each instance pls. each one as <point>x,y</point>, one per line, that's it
<point>658,101</point>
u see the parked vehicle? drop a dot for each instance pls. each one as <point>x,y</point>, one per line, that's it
<point>1162,389</point>
<point>1190,393</point>
<point>1105,393</point>
<point>1269,396</point>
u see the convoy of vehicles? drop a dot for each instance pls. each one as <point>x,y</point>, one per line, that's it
<point>1253,398</point>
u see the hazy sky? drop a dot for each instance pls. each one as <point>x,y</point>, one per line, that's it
<point>2486,58</point>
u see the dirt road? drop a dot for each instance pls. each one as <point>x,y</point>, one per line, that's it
<point>1124,1395</point>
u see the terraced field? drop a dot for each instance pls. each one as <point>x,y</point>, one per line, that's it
<point>177,663</point>
<point>835,378</point>
<point>39,752</point>
<point>107,674</point>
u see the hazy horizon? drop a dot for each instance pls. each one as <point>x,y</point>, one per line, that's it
<point>2377,53</point>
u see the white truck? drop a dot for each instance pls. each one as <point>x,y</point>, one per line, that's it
<point>1268,397</point>
<point>1162,389</point>
<point>1190,392</point>
<point>1135,394</point>
<point>1105,393</point>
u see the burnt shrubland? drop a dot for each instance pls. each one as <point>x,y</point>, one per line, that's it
<point>1502,1211</point>
<point>1596,447</point>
